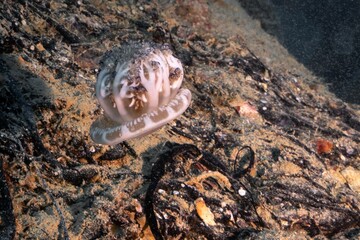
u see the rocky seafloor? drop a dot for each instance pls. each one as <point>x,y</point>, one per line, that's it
<point>264,151</point>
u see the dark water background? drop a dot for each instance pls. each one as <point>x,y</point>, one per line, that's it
<point>323,35</point>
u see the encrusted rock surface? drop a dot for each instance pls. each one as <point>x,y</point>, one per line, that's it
<point>263,152</point>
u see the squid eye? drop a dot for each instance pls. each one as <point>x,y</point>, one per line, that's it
<point>142,85</point>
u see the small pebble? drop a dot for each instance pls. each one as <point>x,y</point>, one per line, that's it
<point>242,192</point>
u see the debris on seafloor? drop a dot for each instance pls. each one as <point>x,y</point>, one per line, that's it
<point>204,212</point>
<point>190,189</point>
<point>247,111</point>
<point>323,146</point>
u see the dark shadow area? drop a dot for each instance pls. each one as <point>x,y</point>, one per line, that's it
<point>322,35</point>
<point>21,95</point>
<point>7,225</point>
